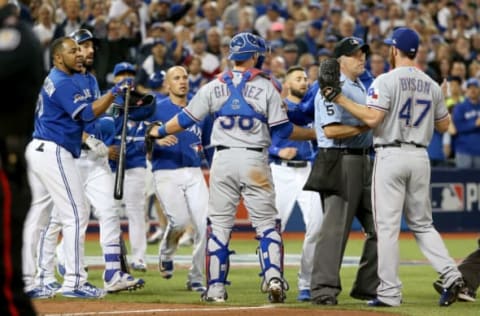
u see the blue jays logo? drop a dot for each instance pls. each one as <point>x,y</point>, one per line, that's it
<point>448,197</point>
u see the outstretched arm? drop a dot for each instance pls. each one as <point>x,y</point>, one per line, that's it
<point>371,117</point>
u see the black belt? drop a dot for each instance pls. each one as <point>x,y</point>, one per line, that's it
<point>220,147</point>
<point>398,145</point>
<point>85,147</point>
<point>348,151</point>
<point>291,163</point>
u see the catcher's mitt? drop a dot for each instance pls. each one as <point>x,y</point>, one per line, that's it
<point>149,140</point>
<point>329,79</point>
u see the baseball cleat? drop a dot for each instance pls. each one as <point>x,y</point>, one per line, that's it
<point>139,266</point>
<point>196,287</point>
<point>40,293</point>
<point>464,295</point>
<point>54,286</point>
<point>304,296</point>
<point>275,291</point>
<point>85,291</point>
<point>449,295</point>
<point>377,303</point>
<point>166,269</point>
<point>123,282</point>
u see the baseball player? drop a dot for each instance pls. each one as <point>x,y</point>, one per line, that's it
<point>21,75</point>
<point>291,165</point>
<point>346,140</point>
<point>247,109</point>
<point>135,174</point>
<point>403,107</point>
<point>62,109</point>
<point>179,182</point>
<point>98,185</point>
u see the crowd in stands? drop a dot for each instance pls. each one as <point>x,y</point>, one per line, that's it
<point>156,34</point>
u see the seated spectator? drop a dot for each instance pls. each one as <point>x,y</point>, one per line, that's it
<point>466,117</point>
<point>195,77</point>
<point>211,18</point>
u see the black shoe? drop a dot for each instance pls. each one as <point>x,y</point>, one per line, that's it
<point>438,286</point>
<point>363,296</point>
<point>325,300</point>
<point>450,295</point>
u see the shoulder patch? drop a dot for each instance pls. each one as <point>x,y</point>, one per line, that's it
<point>9,39</point>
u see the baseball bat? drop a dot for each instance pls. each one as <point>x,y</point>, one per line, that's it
<point>120,173</point>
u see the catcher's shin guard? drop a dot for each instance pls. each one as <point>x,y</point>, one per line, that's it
<point>270,253</point>
<point>217,270</point>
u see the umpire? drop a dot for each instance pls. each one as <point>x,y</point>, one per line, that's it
<point>345,141</point>
<point>21,76</point>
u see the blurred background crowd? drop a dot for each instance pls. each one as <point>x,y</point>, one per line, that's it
<point>156,34</point>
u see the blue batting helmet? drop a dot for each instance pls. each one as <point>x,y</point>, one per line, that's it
<point>83,35</point>
<point>243,46</point>
<point>156,79</point>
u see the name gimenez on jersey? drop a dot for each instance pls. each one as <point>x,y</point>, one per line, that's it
<point>250,91</point>
<point>415,84</point>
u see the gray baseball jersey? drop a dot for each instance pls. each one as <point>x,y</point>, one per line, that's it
<point>237,132</point>
<point>414,102</point>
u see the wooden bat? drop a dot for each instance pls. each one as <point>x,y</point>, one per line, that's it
<point>120,173</point>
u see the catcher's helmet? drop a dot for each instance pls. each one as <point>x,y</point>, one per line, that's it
<point>262,50</point>
<point>243,46</point>
<point>83,35</point>
<point>156,79</point>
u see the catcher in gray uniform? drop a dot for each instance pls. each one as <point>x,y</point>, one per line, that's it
<point>247,110</point>
<point>403,107</point>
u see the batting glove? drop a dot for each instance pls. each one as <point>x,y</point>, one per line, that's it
<point>97,147</point>
<point>122,86</point>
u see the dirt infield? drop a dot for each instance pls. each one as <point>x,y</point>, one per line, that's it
<point>84,308</point>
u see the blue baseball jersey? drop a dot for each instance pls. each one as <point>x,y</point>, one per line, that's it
<point>305,149</point>
<point>328,113</point>
<point>62,107</point>
<point>465,115</point>
<point>188,152</point>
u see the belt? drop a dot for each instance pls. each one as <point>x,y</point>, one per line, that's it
<point>85,147</point>
<point>291,163</point>
<point>258,149</point>
<point>398,145</point>
<point>348,151</point>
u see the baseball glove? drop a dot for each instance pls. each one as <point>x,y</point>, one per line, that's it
<point>329,79</point>
<point>149,140</point>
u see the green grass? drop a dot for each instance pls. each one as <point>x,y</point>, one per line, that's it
<point>418,294</point>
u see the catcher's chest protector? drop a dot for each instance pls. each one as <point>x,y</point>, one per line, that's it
<point>236,105</point>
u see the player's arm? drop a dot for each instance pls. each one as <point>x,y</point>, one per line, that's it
<point>370,116</point>
<point>176,124</point>
<point>442,125</point>
<point>339,131</point>
<point>293,132</point>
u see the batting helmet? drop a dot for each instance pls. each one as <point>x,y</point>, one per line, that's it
<point>83,35</point>
<point>156,79</point>
<point>243,46</point>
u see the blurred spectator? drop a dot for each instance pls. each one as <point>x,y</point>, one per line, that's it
<point>334,22</point>
<point>195,77</point>
<point>459,69</point>
<point>312,74</point>
<point>72,21</point>
<point>363,22</point>
<point>214,37</point>
<point>231,15</point>
<point>290,54</point>
<point>474,69</point>
<point>113,49</point>
<point>247,20</point>
<point>157,61</point>
<point>475,45</point>
<point>289,37</point>
<point>98,18</point>
<point>466,117</point>
<point>130,11</point>
<point>461,50</point>
<point>393,19</point>
<point>454,93</point>
<point>211,18</point>
<point>314,36</point>
<point>347,26</point>
<point>377,64</point>
<point>445,14</point>
<point>462,27</point>
<point>43,29</point>
<point>323,53</point>
<point>278,68</point>
<point>210,62</point>
<point>306,60</point>
<point>156,84</point>
<point>421,61</point>
<point>264,22</point>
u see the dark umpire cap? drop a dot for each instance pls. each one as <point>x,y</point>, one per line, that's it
<point>404,39</point>
<point>350,45</point>
<point>123,67</point>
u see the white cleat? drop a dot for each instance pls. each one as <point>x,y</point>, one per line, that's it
<point>123,282</point>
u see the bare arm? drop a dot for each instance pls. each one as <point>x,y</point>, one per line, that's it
<point>339,131</point>
<point>369,116</point>
<point>442,126</point>
<point>301,133</point>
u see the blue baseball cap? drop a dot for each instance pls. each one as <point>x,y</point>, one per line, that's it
<point>473,82</point>
<point>324,52</point>
<point>317,24</point>
<point>123,67</point>
<point>404,39</point>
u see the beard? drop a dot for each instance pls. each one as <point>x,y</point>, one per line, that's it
<point>391,58</point>
<point>297,93</point>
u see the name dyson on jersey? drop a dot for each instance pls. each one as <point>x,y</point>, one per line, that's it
<point>414,84</point>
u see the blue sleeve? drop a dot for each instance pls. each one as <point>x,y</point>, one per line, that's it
<point>184,120</point>
<point>281,131</point>
<point>461,124</point>
<point>67,95</point>
<point>307,105</point>
<point>274,150</point>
